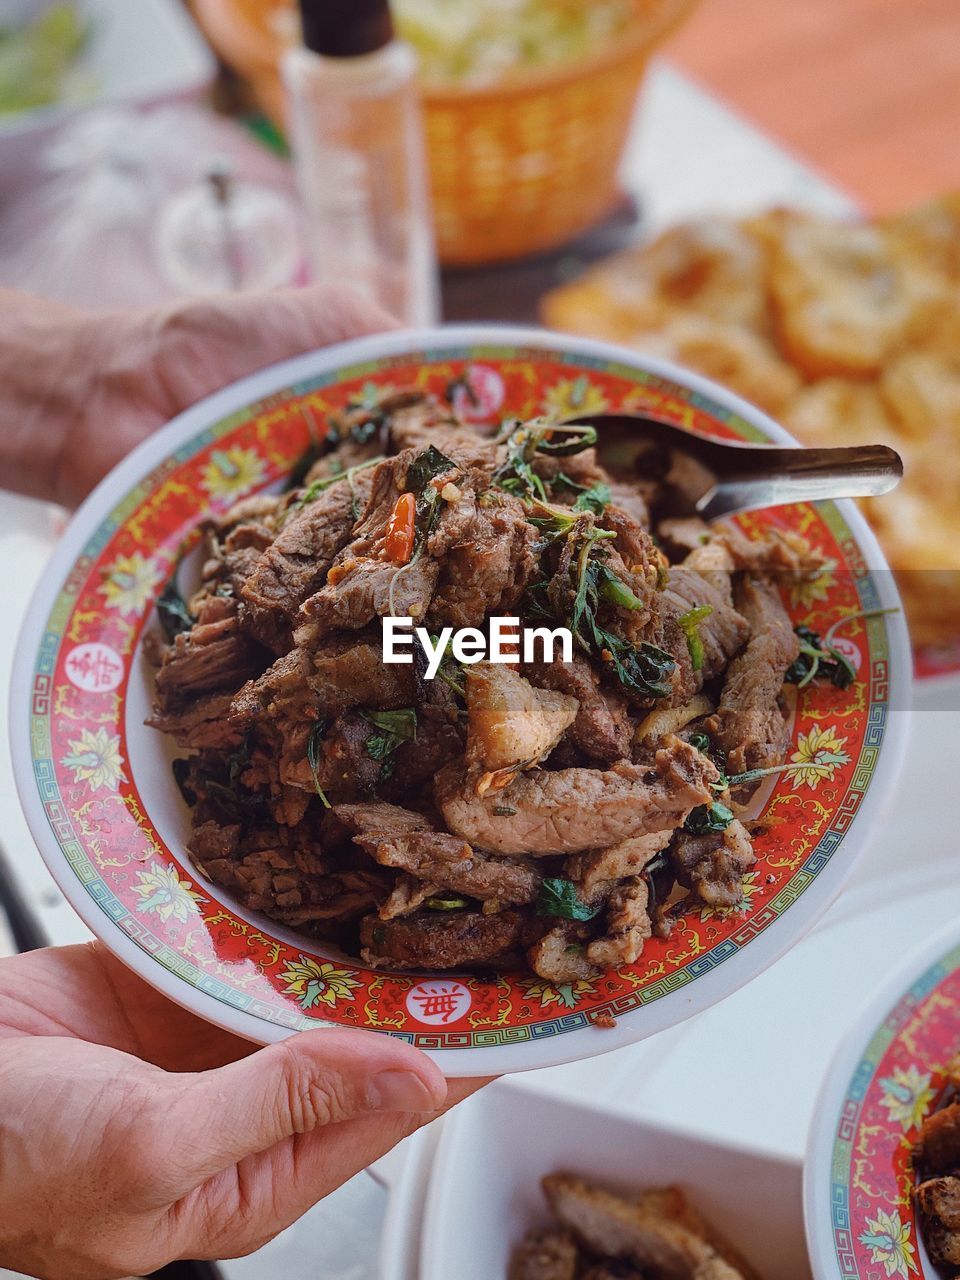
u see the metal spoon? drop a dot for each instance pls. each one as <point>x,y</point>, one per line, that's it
<point>717,478</point>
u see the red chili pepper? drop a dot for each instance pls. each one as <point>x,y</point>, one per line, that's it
<point>401,530</point>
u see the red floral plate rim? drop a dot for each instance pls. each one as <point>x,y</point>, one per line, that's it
<point>97,791</point>
<point>885,1079</point>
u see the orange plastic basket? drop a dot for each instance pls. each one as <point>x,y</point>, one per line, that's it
<point>516,167</point>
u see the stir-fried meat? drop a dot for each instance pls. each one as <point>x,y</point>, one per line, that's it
<point>200,723</point>
<point>295,564</point>
<point>397,838</point>
<point>353,673</point>
<point>450,863</point>
<point>937,1158</point>
<point>213,655</point>
<point>644,1232</point>
<point>439,939</point>
<point>558,956</point>
<point>627,925</point>
<point>594,872</point>
<point>713,865</point>
<point>602,728</point>
<point>722,632</point>
<point>542,813</point>
<point>527,787</point>
<point>487,562</point>
<point>510,724</point>
<point>939,1146</point>
<point>938,1204</point>
<point>750,725</point>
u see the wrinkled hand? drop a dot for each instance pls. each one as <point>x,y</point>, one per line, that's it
<point>79,391</point>
<point>132,1133</point>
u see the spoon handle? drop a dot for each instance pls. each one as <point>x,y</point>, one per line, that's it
<point>748,478</point>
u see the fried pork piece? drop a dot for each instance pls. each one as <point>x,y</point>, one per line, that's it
<point>568,810</point>
<point>750,725</point>
<point>396,837</point>
<point>602,728</point>
<point>657,1237</point>
<point>938,1205</point>
<point>439,939</point>
<point>939,1147</point>
<point>844,301</point>
<point>713,865</point>
<point>510,724</point>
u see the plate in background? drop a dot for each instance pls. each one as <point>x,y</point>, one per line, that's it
<point>883,1082</point>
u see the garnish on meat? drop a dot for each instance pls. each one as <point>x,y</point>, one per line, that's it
<point>553,814</point>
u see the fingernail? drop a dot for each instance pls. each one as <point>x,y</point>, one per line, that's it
<point>400,1091</point>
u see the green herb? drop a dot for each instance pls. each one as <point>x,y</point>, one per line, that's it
<point>516,475</point>
<point>504,810</point>
<point>559,897</point>
<point>614,590</point>
<point>817,659</point>
<point>689,624</point>
<point>580,436</point>
<point>181,775</point>
<point>445,904</point>
<point>363,432</point>
<point>708,817</point>
<point>231,797</point>
<point>313,758</point>
<point>175,617</point>
<point>396,727</point>
<point>421,471</point>
<point>595,499</point>
<point>643,669</point>
<point>301,467</point>
<point>425,466</point>
<point>379,935</point>
<point>700,742</point>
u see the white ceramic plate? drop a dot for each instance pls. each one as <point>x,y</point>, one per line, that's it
<point>96,787</point>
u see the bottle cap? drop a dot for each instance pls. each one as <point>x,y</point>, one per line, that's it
<point>346,28</point>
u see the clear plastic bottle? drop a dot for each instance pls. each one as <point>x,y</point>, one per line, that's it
<point>357,133</point>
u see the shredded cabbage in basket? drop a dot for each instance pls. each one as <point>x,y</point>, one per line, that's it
<point>35,59</point>
<point>482,41</point>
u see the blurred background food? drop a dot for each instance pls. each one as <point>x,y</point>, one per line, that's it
<point>37,57</point>
<point>527,105</point>
<point>844,331</point>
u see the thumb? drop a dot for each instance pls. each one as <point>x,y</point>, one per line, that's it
<point>312,1080</point>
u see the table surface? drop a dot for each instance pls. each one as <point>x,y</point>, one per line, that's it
<point>750,1068</point>
<point>869,90</point>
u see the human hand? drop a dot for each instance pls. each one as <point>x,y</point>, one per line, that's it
<point>78,391</point>
<point>133,1133</point>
